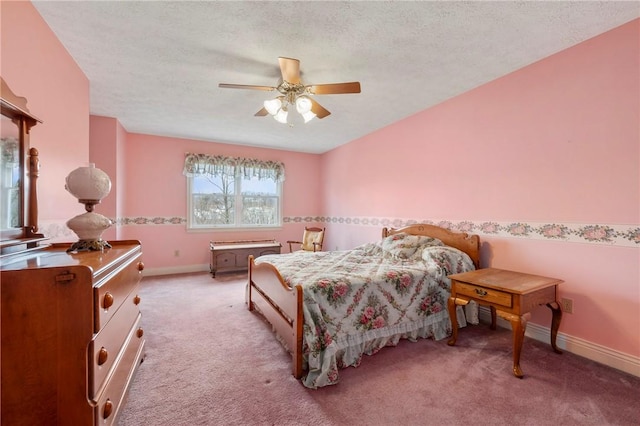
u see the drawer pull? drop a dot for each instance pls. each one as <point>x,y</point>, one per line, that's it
<point>63,278</point>
<point>107,302</point>
<point>481,292</point>
<point>140,266</point>
<point>103,354</point>
<point>108,408</point>
<point>136,300</point>
<point>140,332</point>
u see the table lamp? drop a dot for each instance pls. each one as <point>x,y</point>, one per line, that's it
<point>89,185</point>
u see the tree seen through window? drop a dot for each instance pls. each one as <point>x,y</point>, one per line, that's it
<point>227,200</point>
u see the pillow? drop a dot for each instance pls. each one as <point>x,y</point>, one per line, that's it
<point>405,246</point>
<point>452,260</point>
<point>425,243</point>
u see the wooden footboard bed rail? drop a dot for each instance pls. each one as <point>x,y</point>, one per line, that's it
<point>280,304</point>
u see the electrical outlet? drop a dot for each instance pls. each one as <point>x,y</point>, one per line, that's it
<point>176,253</point>
<point>567,305</point>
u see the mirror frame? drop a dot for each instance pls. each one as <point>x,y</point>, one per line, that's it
<point>24,237</point>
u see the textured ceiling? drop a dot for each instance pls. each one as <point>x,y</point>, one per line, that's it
<point>155,66</point>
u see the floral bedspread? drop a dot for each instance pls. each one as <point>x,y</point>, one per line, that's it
<point>359,301</point>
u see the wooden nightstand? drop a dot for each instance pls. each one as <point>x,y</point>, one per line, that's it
<point>511,295</point>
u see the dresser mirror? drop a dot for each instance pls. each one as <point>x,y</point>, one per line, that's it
<point>18,174</point>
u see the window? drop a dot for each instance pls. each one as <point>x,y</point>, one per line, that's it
<point>229,192</point>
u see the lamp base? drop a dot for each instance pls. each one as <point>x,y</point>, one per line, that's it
<point>89,245</point>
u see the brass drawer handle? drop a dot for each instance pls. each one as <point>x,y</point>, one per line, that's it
<point>103,354</point>
<point>136,300</point>
<point>107,301</point>
<point>65,277</point>
<point>140,266</point>
<point>481,292</point>
<point>108,408</point>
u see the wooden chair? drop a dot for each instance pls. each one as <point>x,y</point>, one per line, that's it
<point>311,240</point>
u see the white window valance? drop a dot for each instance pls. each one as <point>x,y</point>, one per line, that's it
<point>215,165</point>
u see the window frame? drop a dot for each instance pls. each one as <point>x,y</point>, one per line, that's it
<point>238,207</point>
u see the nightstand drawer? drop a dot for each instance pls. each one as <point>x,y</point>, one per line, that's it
<point>482,293</point>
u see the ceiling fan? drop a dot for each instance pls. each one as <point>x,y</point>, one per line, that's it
<point>294,93</point>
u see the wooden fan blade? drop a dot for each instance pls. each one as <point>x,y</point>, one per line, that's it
<point>261,113</point>
<point>334,88</point>
<point>246,86</point>
<point>318,109</point>
<point>290,69</point>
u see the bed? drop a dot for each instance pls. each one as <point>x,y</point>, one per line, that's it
<point>329,308</point>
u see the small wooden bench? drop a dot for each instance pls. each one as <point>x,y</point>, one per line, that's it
<point>232,256</point>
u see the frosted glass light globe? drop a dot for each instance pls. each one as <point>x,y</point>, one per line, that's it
<point>303,104</point>
<point>273,106</point>
<point>88,183</point>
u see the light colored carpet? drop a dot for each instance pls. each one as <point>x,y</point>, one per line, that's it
<point>212,362</point>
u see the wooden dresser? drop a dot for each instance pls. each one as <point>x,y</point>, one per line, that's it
<point>71,334</point>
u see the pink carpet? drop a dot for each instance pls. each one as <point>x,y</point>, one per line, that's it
<point>212,362</point>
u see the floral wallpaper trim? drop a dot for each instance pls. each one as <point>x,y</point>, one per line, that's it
<point>156,220</point>
<point>616,235</point>
<point>619,235</point>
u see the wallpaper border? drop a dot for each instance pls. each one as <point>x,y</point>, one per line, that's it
<point>619,235</point>
<point>607,234</point>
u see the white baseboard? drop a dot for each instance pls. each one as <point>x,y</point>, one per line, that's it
<point>598,353</point>
<point>171,270</point>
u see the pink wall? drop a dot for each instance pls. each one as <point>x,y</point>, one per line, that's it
<point>104,154</point>
<point>156,187</point>
<point>36,66</point>
<point>120,173</point>
<point>555,142</point>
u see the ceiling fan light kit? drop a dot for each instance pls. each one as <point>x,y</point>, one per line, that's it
<point>281,116</point>
<point>303,104</point>
<point>273,105</point>
<point>293,92</point>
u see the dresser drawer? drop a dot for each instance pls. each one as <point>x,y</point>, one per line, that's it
<point>109,402</point>
<point>111,293</point>
<point>106,346</point>
<point>480,293</point>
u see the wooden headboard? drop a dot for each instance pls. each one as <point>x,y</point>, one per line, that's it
<point>469,244</point>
